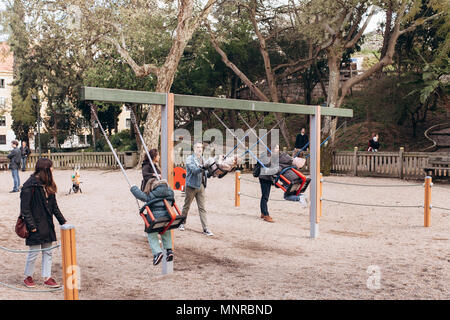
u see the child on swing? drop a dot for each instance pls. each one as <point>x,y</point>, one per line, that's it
<point>154,194</point>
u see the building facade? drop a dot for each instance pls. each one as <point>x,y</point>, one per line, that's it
<point>6,78</point>
<point>7,134</point>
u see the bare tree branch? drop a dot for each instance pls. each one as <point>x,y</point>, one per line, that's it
<point>140,71</point>
<point>235,69</point>
<point>355,39</point>
<point>419,23</point>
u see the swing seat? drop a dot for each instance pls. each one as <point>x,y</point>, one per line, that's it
<point>162,224</point>
<point>214,171</point>
<point>292,187</point>
<point>220,166</point>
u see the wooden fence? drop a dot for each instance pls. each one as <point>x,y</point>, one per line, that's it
<point>86,160</point>
<point>404,165</point>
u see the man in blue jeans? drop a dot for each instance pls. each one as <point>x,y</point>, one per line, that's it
<point>271,162</point>
<point>15,158</point>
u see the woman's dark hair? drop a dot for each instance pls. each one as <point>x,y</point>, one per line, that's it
<point>153,154</point>
<point>44,174</point>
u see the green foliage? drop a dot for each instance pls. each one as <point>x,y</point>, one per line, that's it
<point>120,141</point>
<point>432,84</point>
<point>46,138</point>
<point>202,71</point>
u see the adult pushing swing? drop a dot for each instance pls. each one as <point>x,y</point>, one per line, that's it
<point>169,101</point>
<point>289,178</point>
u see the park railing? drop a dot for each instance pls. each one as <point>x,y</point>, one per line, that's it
<point>401,164</point>
<point>404,165</point>
<point>86,160</point>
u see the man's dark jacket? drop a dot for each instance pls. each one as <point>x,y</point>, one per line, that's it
<point>15,157</point>
<point>301,141</point>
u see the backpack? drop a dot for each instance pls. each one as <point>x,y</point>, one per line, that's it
<point>257,170</point>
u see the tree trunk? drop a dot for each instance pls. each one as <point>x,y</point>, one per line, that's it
<point>55,122</point>
<point>232,113</point>
<point>334,62</point>
<point>94,128</point>
<point>134,107</point>
<point>319,77</point>
<point>387,32</point>
<point>187,24</point>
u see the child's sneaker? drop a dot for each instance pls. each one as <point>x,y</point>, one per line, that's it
<point>169,255</point>
<point>29,282</point>
<point>157,258</point>
<point>303,200</point>
<point>181,227</point>
<point>207,232</point>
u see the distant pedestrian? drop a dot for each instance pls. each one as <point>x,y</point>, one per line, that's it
<point>14,165</point>
<point>25,152</point>
<point>301,142</point>
<point>374,143</point>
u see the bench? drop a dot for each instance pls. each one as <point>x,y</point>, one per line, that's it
<point>4,163</point>
<point>438,163</point>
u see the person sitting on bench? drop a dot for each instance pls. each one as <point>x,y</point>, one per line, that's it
<point>154,193</point>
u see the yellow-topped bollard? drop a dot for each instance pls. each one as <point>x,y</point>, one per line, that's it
<point>427,202</point>
<point>71,281</point>
<point>237,189</point>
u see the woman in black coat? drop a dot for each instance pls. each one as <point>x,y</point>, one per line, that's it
<point>37,206</point>
<point>147,169</point>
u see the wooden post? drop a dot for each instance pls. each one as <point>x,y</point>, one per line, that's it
<point>355,161</point>
<point>167,156</point>
<point>427,202</point>
<point>82,159</point>
<point>400,162</point>
<point>170,132</point>
<point>319,215</point>
<point>69,263</point>
<point>237,189</point>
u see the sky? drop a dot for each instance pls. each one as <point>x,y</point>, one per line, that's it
<point>375,21</point>
<point>371,27</point>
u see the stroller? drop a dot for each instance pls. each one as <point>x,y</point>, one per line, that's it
<point>76,180</point>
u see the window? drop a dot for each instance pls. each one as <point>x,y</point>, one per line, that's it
<point>2,139</point>
<point>2,121</point>
<point>2,84</point>
<point>128,123</point>
<point>2,101</point>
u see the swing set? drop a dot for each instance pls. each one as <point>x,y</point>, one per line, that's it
<point>168,102</point>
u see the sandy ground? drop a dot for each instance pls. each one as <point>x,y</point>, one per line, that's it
<point>247,258</point>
